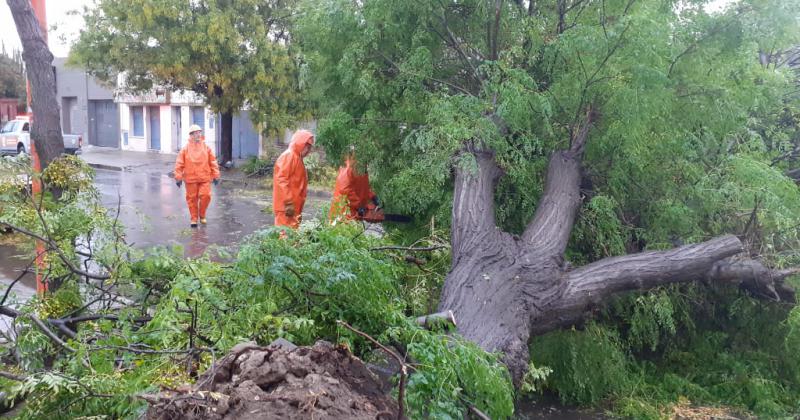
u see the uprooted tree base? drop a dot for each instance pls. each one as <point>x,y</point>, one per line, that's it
<point>275,382</point>
<point>503,289</point>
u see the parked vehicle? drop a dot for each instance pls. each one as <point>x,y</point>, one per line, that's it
<point>15,138</point>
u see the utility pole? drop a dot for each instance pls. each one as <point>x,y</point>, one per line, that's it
<point>40,10</point>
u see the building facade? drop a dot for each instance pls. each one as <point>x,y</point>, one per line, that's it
<point>87,107</point>
<point>159,121</point>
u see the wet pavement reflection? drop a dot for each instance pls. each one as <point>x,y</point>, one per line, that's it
<point>153,210</point>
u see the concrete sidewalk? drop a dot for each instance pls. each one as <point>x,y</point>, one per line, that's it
<point>123,160</point>
<point>142,162</point>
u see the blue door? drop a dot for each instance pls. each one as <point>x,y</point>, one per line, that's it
<point>245,137</point>
<point>154,117</point>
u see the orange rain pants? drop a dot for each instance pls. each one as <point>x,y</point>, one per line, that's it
<point>281,219</point>
<point>198,196</point>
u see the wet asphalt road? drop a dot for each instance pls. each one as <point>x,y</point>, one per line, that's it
<point>154,213</point>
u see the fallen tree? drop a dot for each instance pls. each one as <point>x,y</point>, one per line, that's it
<point>503,288</point>
<point>647,105</point>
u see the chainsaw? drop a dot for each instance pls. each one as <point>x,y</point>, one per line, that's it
<point>376,215</point>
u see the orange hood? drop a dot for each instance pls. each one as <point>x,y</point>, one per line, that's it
<point>299,141</point>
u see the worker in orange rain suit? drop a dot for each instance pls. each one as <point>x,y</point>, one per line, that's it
<point>352,196</point>
<point>197,166</point>
<point>290,182</point>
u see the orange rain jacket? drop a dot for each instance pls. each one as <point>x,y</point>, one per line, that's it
<point>196,163</point>
<point>352,190</point>
<point>290,182</point>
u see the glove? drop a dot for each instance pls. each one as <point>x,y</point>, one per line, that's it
<point>289,209</point>
<point>216,181</point>
<point>375,201</point>
<point>361,211</point>
<point>178,183</point>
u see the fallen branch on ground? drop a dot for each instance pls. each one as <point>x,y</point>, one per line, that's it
<point>408,248</point>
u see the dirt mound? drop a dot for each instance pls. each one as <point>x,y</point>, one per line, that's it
<point>279,382</point>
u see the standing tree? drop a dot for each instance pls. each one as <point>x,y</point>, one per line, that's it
<point>46,130</point>
<point>504,117</point>
<point>12,75</point>
<point>233,53</point>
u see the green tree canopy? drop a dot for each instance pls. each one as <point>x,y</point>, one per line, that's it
<point>12,75</point>
<point>679,93</point>
<point>234,53</point>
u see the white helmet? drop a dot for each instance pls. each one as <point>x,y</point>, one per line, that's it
<point>193,128</point>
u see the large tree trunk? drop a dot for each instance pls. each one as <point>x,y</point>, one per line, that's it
<point>46,127</point>
<point>226,148</point>
<point>502,288</point>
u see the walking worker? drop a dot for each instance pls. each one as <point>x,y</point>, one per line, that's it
<point>352,196</point>
<point>290,181</point>
<point>198,167</point>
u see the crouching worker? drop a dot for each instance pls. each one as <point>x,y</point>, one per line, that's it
<point>353,199</point>
<point>290,182</point>
<point>197,167</point>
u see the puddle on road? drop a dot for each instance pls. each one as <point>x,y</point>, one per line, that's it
<point>12,263</point>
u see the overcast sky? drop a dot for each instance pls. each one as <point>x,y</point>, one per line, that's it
<point>64,27</point>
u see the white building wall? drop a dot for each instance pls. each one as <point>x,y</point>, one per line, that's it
<point>166,129</point>
<point>186,121</point>
<point>168,144</point>
<point>209,132</point>
<point>124,119</point>
<point>126,126</point>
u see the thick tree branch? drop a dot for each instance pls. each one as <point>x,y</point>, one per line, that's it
<point>11,376</point>
<point>13,313</point>
<point>592,284</point>
<point>498,9</point>
<point>555,214</point>
<point>473,203</point>
<point>409,248</point>
<point>597,281</point>
<point>753,276</point>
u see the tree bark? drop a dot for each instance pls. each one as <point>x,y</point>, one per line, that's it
<point>794,174</point>
<point>226,147</point>
<point>46,126</point>
<point>502,289</point>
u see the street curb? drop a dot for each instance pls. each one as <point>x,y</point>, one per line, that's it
<point>169,174</point>
<point>106,167</point>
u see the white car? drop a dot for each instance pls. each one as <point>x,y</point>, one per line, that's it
<point>15,138</point>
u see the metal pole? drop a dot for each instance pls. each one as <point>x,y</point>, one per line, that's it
<point>39,9</point>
